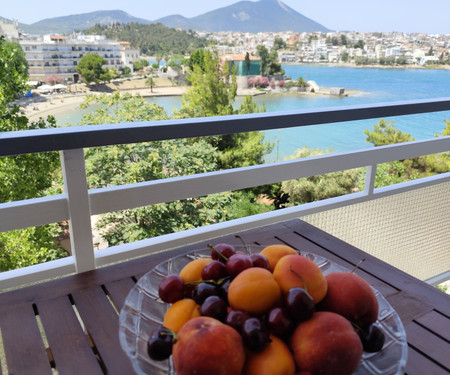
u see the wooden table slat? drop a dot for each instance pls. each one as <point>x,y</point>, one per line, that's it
<point>118,291</point>
<point>23,344</point>
<point>423,340</point>
<point>102,323</point>
<point>437,323</point>
<point>418,364</point>
<point>68,342</point>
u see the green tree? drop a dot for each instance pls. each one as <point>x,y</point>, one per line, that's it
<point>278,44</point>
<point>150,82</point>
<point>23,176</point>
<point>385,133</point>
<point>320,187</point>
<point>90,68</point>
<point>263,54</point>
<point>212,93</point>
<point>247,62</point>
<point>122,164</point>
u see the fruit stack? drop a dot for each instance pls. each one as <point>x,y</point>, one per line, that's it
<point>268,313</point>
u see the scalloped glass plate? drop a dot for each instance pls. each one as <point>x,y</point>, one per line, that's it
<point>143,311</point>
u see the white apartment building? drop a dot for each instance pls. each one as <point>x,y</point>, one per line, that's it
<point>59,55</point>
<point>128,54</point>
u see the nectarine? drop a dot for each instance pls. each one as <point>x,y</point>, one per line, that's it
<point>326,344</point>
<point>206,346</point>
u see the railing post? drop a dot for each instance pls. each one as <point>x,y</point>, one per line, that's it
<point>369,186</point>
<point>75,186</point>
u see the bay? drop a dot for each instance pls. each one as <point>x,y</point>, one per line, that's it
<point>373,85</point>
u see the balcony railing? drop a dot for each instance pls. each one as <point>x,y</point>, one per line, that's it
<point>78,204</point>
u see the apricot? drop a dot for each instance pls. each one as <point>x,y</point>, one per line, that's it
<point>275,359</point>
<point>326,344</point>
<point>274,253</point>
<point>205,346</point>
<point>193,270</point>
<point>254,290</point>
<point>299,271</point>
<point>179,313</point>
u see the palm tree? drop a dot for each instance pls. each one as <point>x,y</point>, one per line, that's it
<point>150,82</point>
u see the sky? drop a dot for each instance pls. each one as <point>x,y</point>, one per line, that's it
<point>426,16</point>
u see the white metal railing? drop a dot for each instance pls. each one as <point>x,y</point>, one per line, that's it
<point>78,204</point>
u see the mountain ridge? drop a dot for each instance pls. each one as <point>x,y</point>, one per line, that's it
<point>244,16</point>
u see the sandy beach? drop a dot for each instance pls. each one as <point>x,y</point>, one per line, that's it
<point>42,105</point>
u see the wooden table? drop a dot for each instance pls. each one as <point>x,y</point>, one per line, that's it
<point>71,324</point>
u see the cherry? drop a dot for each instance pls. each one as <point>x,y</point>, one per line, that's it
<point>171,289</point>
<point>279,321</point>
<point>372,338</point>
<point>214,270</point>
<point>238,263</point>
<point>260,260</point>
<point>214,307</point>
<point>159,344</point>
<point>223,289</point>
<point>299,304</point>
<point>255,334</point>
<point>203,291</point>
<point>222,252</point>
<point>236,319</point>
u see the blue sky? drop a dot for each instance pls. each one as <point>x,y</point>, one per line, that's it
<point>428,16</point>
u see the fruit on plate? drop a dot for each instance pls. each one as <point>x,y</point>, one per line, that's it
<point>179,313</point>
<point>352,297</point>
<point>206,346</point>
<point>274,253</point>
<point>254,290</point>
<point>299,271</point>
<point>326,344</point>
<point>275,359</point>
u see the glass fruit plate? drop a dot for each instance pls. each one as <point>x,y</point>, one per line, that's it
<point>143,311</point>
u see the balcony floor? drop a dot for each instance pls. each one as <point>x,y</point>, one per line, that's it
<point>71,325</point>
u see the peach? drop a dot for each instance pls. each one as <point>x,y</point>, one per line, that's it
<point>326,344</point>
<point>275,359</point>
<point>193,270</point>
<point>179,313</point>
<point>352,297</point>
<point>274,253</point>
<point>254,290</point>
<point>298,271</point>
<point>205,346</point>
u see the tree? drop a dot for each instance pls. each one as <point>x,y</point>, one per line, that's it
<point>278,44</point>
<point>23,176</point>
<point>263,54</point>
<point>150,82</point>
<point>320,187</point>
<point>90,68</point>
<point>114,165</point>
<point>247,62</point>
<point>385,133</point>
<point>53,79</point>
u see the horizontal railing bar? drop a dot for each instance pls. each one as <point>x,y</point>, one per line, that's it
<point>167,190</point>
<point>36,273</point>
<point>33,212</point>
<point>41,211</point>
<point>183,238</point>
<point>45,140</point>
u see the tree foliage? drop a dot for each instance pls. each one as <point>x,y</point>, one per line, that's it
<point>91,69</point>
<point>315,188</point>
<point>23,176</point>
<point>152,39</point>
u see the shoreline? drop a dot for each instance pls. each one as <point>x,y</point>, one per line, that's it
<point>370,66</point>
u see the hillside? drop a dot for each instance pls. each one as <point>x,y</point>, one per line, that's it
<point>245,16</point>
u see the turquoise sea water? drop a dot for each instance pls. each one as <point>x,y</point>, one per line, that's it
<point>373,86</point>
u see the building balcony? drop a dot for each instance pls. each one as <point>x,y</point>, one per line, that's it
<point>72,320</point>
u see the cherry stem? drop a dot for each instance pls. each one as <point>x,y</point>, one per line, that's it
<point>215,282</point>
<point>300,277</point>
<point>170,333</point>
<point>357,265</point>
<point>218,252</point>
<point>243,242</point>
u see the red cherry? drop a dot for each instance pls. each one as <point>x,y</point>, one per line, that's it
<point>238,263</point>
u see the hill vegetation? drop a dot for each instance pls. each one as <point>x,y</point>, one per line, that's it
<point>152,39</point>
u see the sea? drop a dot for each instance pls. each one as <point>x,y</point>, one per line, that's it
<point>370,85</point>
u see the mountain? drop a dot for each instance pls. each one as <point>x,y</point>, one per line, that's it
<point>248,16</point>
<point>68,24</point>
